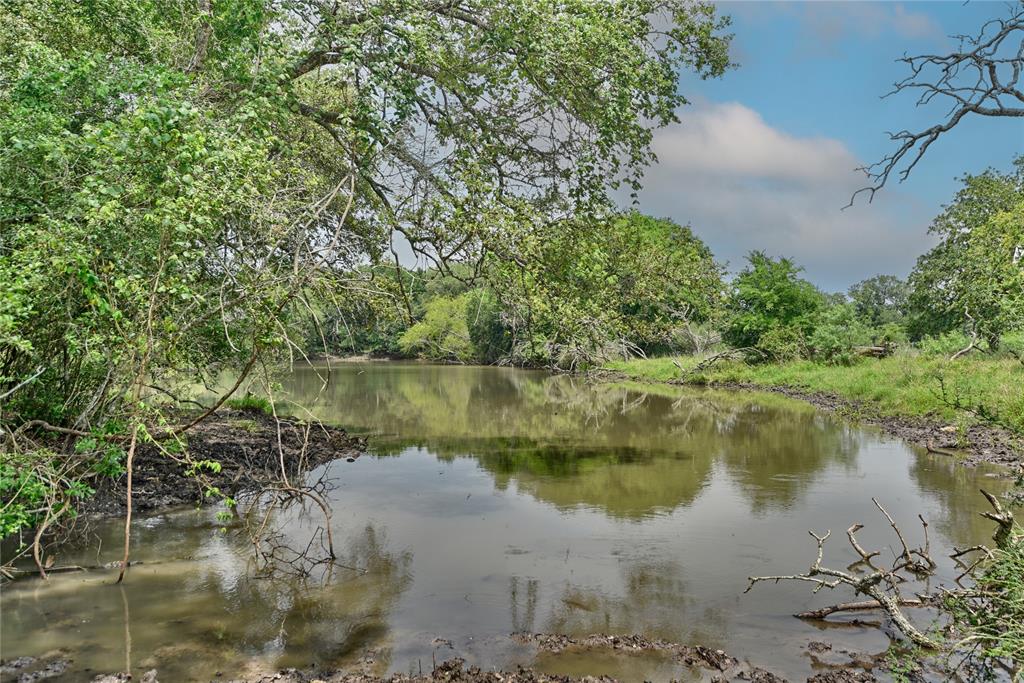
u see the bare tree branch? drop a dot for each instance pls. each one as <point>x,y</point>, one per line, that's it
<point>981,77</point>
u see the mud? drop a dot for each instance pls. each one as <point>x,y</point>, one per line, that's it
<point>715,666</point>
<point>243,442</point>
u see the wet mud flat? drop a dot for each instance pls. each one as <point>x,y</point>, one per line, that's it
<point>694,662</point>
<point>246,445</point>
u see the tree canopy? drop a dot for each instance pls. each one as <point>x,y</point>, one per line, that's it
<point>181,179</point>
<point>974,278</point>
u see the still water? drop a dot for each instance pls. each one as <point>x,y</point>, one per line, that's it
<point>496,501</point>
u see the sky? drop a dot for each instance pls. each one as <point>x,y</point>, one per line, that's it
<point>765,157</point>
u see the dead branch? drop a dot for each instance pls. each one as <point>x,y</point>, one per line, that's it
<point>1003,518</point>
<point>886,598</point>
<point>980,78</point>
<point>860,606</point>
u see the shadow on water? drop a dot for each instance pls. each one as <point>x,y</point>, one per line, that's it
<point>498,500</point>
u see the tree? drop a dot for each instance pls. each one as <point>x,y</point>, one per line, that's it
<point>771,307</point>
<point>980,78</point>
<point>973,278</point>
<point>443,333</point>
<point>180,180</point>
<point>880,300</point>
<point>589,291</point>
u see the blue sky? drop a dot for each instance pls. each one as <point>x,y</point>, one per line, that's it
<point>764,156</point>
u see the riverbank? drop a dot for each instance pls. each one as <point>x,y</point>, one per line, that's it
<point>249,448</point>
<point>701,663</point>
<point>971,408</point>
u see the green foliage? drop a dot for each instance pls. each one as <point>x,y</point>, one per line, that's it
<point>838,330</point>
<point>590,291</point>
<point>443,333</point>
<point>33,487</point>
<point>880,300</point>
<point>490,337</point>
<point>769,299</point>
<point>890,334</point>
<point>943,345</point>
<point>993,619</point>
<point>108,458</point>
<point>974,278</point>
<point>780,343</point>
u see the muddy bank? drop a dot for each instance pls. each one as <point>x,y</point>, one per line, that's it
<point>695,663</point>
<point>244,443</point>
<point>979,444</point>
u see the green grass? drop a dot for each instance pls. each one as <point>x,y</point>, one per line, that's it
<point>250,403</point>
<point>903,384</point>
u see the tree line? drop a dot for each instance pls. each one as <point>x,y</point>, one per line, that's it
<point>639,285</point>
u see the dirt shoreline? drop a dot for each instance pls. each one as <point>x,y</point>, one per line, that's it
<point>243,442</point>
<point>707,664</point>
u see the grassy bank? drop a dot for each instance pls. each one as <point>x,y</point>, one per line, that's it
<point>968,390</point>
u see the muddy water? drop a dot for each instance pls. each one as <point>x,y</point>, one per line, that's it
<point>497,501</point>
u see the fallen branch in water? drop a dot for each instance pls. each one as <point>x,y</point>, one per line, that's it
<point>860,606</point>
<point>881,584</point>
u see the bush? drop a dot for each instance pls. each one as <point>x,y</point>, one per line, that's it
<point>782,343</point>
<point>944,345</point>
<point>838,331</point>
<point>890,334</point>
<point>442,334</point>
<point>992,620</point>
<point>772,308</point>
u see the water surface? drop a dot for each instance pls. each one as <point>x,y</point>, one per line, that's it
<point>499,500</point>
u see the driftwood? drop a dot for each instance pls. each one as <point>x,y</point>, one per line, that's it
<point>861,606</point>
<point>875,351</point>
<point>881,584</point>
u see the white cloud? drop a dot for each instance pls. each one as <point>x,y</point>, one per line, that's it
<point>732,139</point>
<point>743,184</point>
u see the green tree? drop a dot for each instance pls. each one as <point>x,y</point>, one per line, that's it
<point>771,307</point>
<point>180,181</point>
<point>837,331</point>
<point>587,292</point>
<point>974,278</point>
<point>443,333</point>
<point>880,300</point>
<point>485,320</point>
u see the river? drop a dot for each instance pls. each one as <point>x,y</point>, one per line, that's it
<point>497,500</point>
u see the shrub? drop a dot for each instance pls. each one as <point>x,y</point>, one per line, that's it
<point>782,343</point>
<point>442,334</point>
<point>837,332</point>
<point>770,298</point>
<point>892,334</point>
<point>944,345</point>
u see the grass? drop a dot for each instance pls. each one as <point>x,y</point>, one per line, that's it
<point>976,387</point>
<point>250,403</point>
